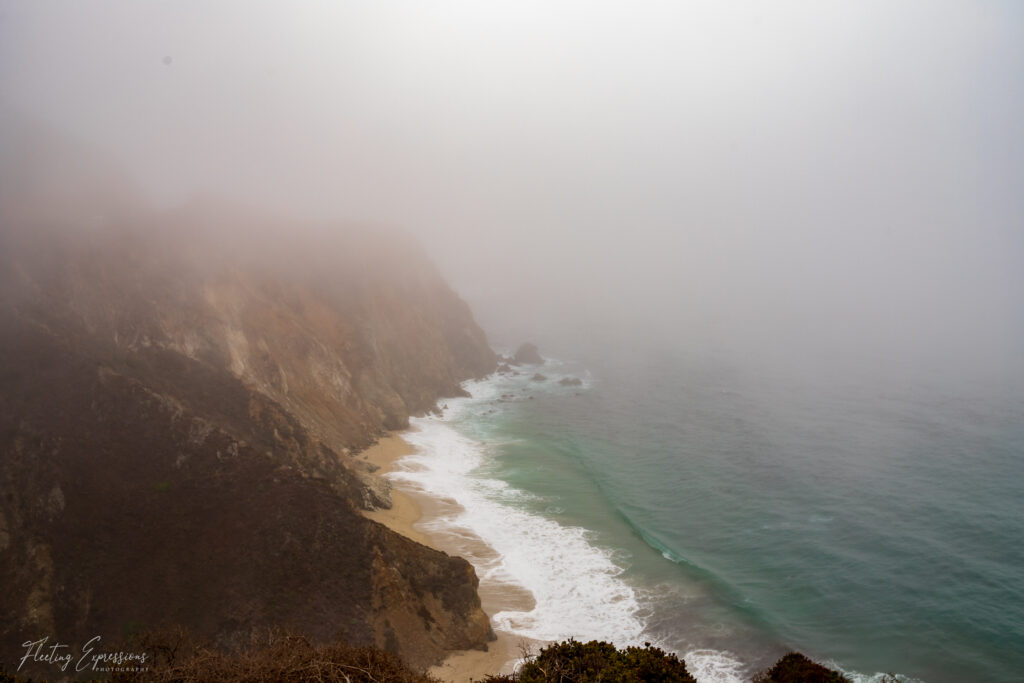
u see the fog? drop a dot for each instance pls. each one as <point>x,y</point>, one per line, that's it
<point>772,180</point>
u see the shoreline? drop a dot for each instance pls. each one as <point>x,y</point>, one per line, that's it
<point>409,509</point>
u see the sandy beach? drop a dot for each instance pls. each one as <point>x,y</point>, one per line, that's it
<point>410,509</point>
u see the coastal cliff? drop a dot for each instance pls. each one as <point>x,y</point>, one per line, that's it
<point>181,397</point>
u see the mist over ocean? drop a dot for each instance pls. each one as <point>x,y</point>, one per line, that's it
<point>729,512</point>
<point>802,222</point>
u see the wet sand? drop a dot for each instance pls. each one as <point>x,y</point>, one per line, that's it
<point>411,509</point>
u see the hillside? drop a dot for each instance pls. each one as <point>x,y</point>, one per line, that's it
<point>181,397</point>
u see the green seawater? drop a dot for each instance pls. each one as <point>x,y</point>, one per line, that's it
<point>874,524</point>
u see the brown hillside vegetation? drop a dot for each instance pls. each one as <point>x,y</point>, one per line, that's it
<point>181,397</point>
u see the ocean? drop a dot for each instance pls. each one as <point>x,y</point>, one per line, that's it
<point>730,513</point>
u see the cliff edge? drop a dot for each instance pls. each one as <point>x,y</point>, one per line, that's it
<point>181,394</point>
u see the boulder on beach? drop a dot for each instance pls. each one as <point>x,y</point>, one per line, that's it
<point>527,354</point>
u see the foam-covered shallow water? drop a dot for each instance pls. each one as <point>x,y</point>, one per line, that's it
<point>576,585</point>
<point>730,518</point>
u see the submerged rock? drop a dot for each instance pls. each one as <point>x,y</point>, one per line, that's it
<point>537,377</point>
<point>570,381</point>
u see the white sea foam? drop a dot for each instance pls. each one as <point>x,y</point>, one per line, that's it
<point>577,586</point>
<point>873,678</point>
<point>714,666</point>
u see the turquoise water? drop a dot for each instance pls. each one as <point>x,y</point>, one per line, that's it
<point>876,525</point>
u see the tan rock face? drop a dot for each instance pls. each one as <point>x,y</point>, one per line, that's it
<point>176,415</point>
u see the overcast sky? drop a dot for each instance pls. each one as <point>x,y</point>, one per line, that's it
<point>842,176</point>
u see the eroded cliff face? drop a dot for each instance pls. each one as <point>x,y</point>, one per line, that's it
<point>180,398</point>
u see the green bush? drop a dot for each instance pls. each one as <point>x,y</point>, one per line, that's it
<point>795,668</point>
<point>599,662</point>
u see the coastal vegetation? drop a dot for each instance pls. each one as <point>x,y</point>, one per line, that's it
<point>796,668</point>
<point>180,656</point>
<point>578,662</point>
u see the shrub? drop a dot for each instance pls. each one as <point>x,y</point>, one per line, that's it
<point>597,661</point>
<point>795,668</point>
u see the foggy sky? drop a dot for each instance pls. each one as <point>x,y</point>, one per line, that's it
<point>841,178</point>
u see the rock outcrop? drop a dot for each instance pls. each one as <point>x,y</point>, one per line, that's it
<point>178,409</point>
<point>527,354</point>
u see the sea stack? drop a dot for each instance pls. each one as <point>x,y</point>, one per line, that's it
<point>527,354</point>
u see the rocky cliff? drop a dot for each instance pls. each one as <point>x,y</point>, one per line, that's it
<point>181,394</point>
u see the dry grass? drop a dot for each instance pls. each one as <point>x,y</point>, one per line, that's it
<point>277,656</point>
